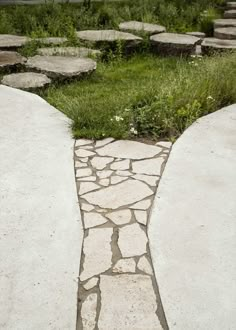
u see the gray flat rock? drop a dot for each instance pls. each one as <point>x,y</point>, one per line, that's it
<point>224,22</point>
<point>225,33</point>
<point>231,5</point>
<point>9,41</point>
<point>69,51</point>
<point>200,35</point>
<point>109,36</point>
<point>61,67</point>
<point>26,80</point>
<point>192,228</point>
<point>211,45</point>
<point>41,227</point>
<point>174,43</point>
<point>10,60</point>
<point>136,26</point>
<point>52,40</point>
<point>230,13</point>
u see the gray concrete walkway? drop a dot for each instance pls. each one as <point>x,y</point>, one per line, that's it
<point>192,229</point>
<point>40,224</point>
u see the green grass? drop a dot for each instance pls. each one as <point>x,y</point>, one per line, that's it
<point>146,96</point>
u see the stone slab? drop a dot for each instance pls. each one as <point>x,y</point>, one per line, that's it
<point>61,67</point>
<point>230,13</point>
<point>26,80</point>
<point>10,60</point>
<point>231,5</point>
<point>9,41</point>
<point>225,33</point>
<point>135,26</point>
<point>41,232</point>
<point>224,22</point>
<point>134,306</point>
<point>69,51</point>
<point>192,228</point>
<point>212,45</point>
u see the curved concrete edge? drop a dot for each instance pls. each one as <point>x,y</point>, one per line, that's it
<point>40,223</point>
<point>192,227</point>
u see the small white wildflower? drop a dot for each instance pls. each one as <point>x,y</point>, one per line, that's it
<point>117,118</point>
<point>133,131</point>
<point>210,98</point>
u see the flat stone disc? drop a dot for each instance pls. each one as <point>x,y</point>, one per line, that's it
<point>225,33</point>
<point>141,27</point>
<point>9,41</point>
<point>224,22</point>
<point>61,66</point>
<point>26,80</point>
<point>52,40</point>
<point>230,13</point>
<point>210,45</point>
<point>9,60</point>
<point>69,51</point>
<point>197,34</point>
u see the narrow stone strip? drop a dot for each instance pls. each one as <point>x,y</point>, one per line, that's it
<point>116,183</point>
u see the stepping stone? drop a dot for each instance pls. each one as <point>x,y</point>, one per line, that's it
<point>148,166</point>
<point>225,33</point>
<point>109,37</point>
<point>133,305</point>
<point>10,60</point>
<point>223,22</point>
<point>61,67</point>
<point>69,51</point>
<point>174,44</point>
<point>89,312</point>
<point>211,45</point>
<point>231,5</point>
<point>141,27</point>
<point>9,41</point>
<point>230,13</point>
<point>52,40</point>
<point>200,35</point>
<point>26,80</point>
<point>125,266</point>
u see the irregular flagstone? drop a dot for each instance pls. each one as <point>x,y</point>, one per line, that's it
<point>83,160</point>
<point>69,51</point>
<point>93,219</point>
<point>117,179</point>
<point>120,217</point>
<point>82,142</point>
<point>10,60</point>
<point>144,265</point>
<point>61,67</point>
<point>165,144</point>
<point>149,166</point>
<point>121,165</point>
<point>132,241</point>
<point>103,142</point>
<point>129,149</point>
<point>84,153</point>
<point>52,40</point>
<point>88,179</point>
<point>125,266</point>
<point>89,312</point>
<point>124,193</point>
<point>143,205</point>
<point>136,26</point>
<point>104,174</point>
<point>104,182</point>
<point>123,173</point>
<point>26,80</point>
<point>86,187</point>
<point>151,180</point>
<point>141,217</point>
<point>97,252</point>
<point>100,163</point>
<point>133,305</point>
<point>91,283</point>
<point>9,41</point>
<point>80,164</point>
<point>174,44</point>
<point>86,207</point>
<point>83,172</point>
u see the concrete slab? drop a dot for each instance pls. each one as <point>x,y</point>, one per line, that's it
<point>193,230</point>
<point>40,228</point>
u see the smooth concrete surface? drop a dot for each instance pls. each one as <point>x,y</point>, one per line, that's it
<point>193,227</point>
<point>40,223</point>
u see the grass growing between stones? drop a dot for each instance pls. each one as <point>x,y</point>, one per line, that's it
<point>146,96</point>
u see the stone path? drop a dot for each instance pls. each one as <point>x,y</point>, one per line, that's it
<point>116,182</point>
<point>192,228</point>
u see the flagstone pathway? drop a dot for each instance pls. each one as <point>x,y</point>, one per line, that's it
<point>116,182</point>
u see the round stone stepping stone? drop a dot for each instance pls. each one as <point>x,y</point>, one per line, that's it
<point>9,41</point>
<point>200,35</point>
<point>52,40</point>
<point>61,67</point>
<point>223,22</point>
<point>109,37</point>
<point>225,33</point>
<point>69,51</point>
<point>26,80</point>
<point>141,27</point>
<point>231,5</point>
<point>230,13</point>
<point>10,60</point>
<point>174,44</point>
<point>211,45</point>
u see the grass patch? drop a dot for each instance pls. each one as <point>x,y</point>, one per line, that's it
<point>146,96</point>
